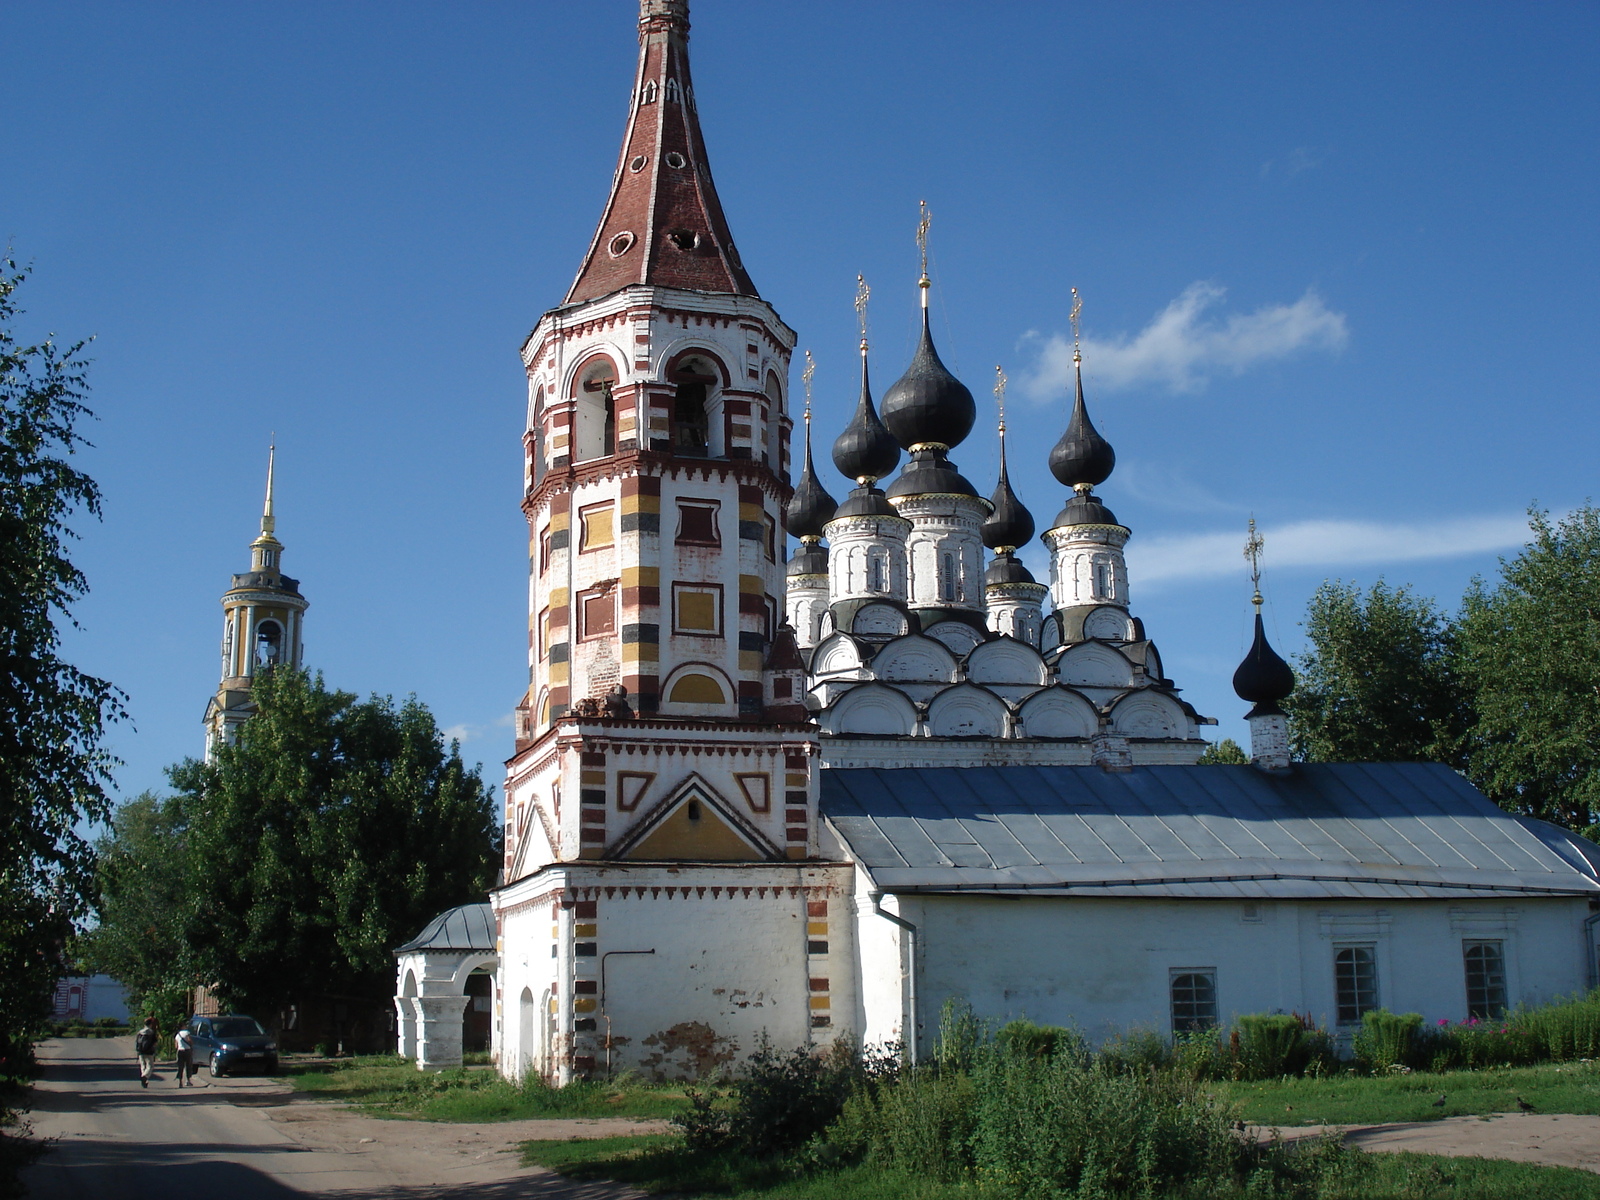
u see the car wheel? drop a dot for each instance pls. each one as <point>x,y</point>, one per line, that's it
<point>215,1067</point>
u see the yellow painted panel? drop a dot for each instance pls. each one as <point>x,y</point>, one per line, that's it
<point>816,1002</point>
<point>641,576</point>
<point>817,928</point>
<point>598,777</point>
<point>554,1007</point>
<point>585,931</point>
<point>589,1004</point>
<point>797,851</point>
<point>560,520</point>
<point>597,528</point>
<point>751,661</point>
<point>641,504</point>
<point>751,585</point>
<point>796,779</point>
<point>640,652</point>
<point>751,512</point>
<point>558,597</point>
<point>708,839</point>
<point>558,673</point>
<point>696,689</point>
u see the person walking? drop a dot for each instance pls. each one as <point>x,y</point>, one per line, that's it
<point>144,1045</point>
<point>183,1040</point>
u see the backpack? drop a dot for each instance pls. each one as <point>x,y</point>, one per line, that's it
<point>145,1043</point>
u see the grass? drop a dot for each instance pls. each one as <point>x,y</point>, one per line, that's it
<point>658,1163</point>
<point>1371,1100</point>
<point>386,1086</point>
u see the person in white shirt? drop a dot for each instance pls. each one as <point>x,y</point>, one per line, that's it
<point>183,1040</point>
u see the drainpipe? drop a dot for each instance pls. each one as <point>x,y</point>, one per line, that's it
<point>604,1012</point>
<point>1591,958</point>
<point>911,974</point>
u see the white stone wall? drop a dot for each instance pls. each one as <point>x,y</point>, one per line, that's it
<point>852,542</point>
<point>940,526</point>
<point>1087,566</point>
<point>1105,964</point>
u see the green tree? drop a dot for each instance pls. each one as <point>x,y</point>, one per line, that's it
<point>145,889</point>
<point>1530,653</point>
<point>1378,682</point>
<point>53,767</point>
<point>1226,753</point>
<point>328,835</point>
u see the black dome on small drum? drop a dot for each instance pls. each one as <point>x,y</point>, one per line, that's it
<point>810,508</point>
<point>927,403</point>
<point>930,473</point>
<point>1082,456</point>
<point>1263,678</point>
<point>865,450</point>
<point>1011,524</point>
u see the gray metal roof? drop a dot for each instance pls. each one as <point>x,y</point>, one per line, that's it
<point>1347,830</point>
<point>470,927</point>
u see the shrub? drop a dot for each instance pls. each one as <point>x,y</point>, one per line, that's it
<point>1387,1040</point>
<point>1026,1040</point>
<point>921,1123</point>
<point>1565,1030</point>
<point>960,1035</point>
<point>777,1104</point>
<point>1199,1054</point>
<point>1138,1050</point>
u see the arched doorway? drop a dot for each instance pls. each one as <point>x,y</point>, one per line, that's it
<point>408,1016</point>
<point>477,1019</point>
<point>525,1034</point>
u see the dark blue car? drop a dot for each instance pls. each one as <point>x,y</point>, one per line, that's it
<point>233,1043</point>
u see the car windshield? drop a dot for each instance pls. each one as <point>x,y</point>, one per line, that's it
<point>236,1027</point>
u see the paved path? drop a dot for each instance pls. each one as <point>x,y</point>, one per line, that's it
<point>1553,1139</point>
<point>248,1138</point>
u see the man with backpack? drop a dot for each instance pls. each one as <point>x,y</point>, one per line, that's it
<point>144,1045</point>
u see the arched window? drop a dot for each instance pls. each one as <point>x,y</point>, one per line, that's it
<point>696,689</point>
<point>597,411</point>
<point>648,94</point>
<point>269,643</point>
<point>1355,979</point>
<point>877,571</point>
<point>1102,580</point>
<point>691,425</point>
<point>949,577</point>
<point>227,646</point>
<point>1194,1001</point>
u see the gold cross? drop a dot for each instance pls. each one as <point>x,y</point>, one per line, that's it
<point>863,293</point>
<point>805,378</point>
<point>922,235</point>
<point>1252,550</point>
<point>1000,396</point>
<point>1077,309</point>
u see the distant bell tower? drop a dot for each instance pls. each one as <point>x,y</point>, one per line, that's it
<point>262,614</point>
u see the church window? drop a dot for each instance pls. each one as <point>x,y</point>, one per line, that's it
<point>545,549</point>
<point>949,577</point>
<point>877,571</point>
<point>1355,980</point>
<point>269,643</point>
<point>691,427</point>
<point>783,688</point>
<point>770,536</point>
<point>674,92</point>
<point>227,646</point>
<point>595,431</point>
<point>1486,979</point>
<point>637,164</point>
<point>596,524</point>
<point>648,92</point>
<point>696,689</point>
<point>1194,1000</point>
<point>544,633</point>
<point>1102,580</point>
<point>697,609</point>
<point>697,523</point>
<point>597,614</point>
<point>621,244</point>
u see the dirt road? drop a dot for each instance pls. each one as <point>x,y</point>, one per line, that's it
<point>248,1138</point>
<point>1553,1139</point>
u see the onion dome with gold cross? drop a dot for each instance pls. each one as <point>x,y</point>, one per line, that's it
<point>811,507</point>
<point>1010,524</point>
<point>1263,678</point>
<point>1082,458</point>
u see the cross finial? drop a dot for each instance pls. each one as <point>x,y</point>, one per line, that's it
<point>1252,550</point>
<point>1077,310</point>
<point>805,378</point>
<point>863,293</point>
<point>1000,396</point>
<point>268,521</point>
<point>923,223</point>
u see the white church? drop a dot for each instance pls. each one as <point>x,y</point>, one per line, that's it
<point>812,796</point>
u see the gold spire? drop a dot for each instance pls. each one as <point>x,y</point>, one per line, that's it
<point>863,294</point>
<point>805,378</point>
<point>1252,550</point>
<point>922,249</point>
<point>268,521</point>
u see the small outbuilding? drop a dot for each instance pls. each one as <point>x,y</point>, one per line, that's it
<point>444,989</point>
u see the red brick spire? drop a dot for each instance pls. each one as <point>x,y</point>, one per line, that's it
<point>663,224</point>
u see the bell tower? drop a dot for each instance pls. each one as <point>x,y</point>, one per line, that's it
<point>262,615</point>
<point>662,736</point>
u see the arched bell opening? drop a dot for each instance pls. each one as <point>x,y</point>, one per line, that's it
<point>269,644</point>
<point>594,397</point>
<point>696,407</point>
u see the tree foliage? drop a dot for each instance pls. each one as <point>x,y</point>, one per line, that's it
<point>53,767</point>
<point>145,884</point>
<point>1226,753</point>
<point>1379,681</point>
<point>1529,651</point>
<point>328,835</point>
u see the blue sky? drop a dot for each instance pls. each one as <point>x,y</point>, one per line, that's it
<point>1338,264</point>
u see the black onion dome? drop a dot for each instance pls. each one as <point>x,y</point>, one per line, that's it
<point>1263,678</point>
<point>1010,524</point>
<point>1082,456</point>
<point>930,473</point>
<point>1006,568</point>
<point>927,403</point>
<point>865,450</point>
<point>810,508</point>
<point>865,502</point>
<point>1085,509</point>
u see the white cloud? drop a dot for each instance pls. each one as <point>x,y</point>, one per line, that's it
<point>1324,545</point>
<point>465,732</point>
<point>1181,349</point>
